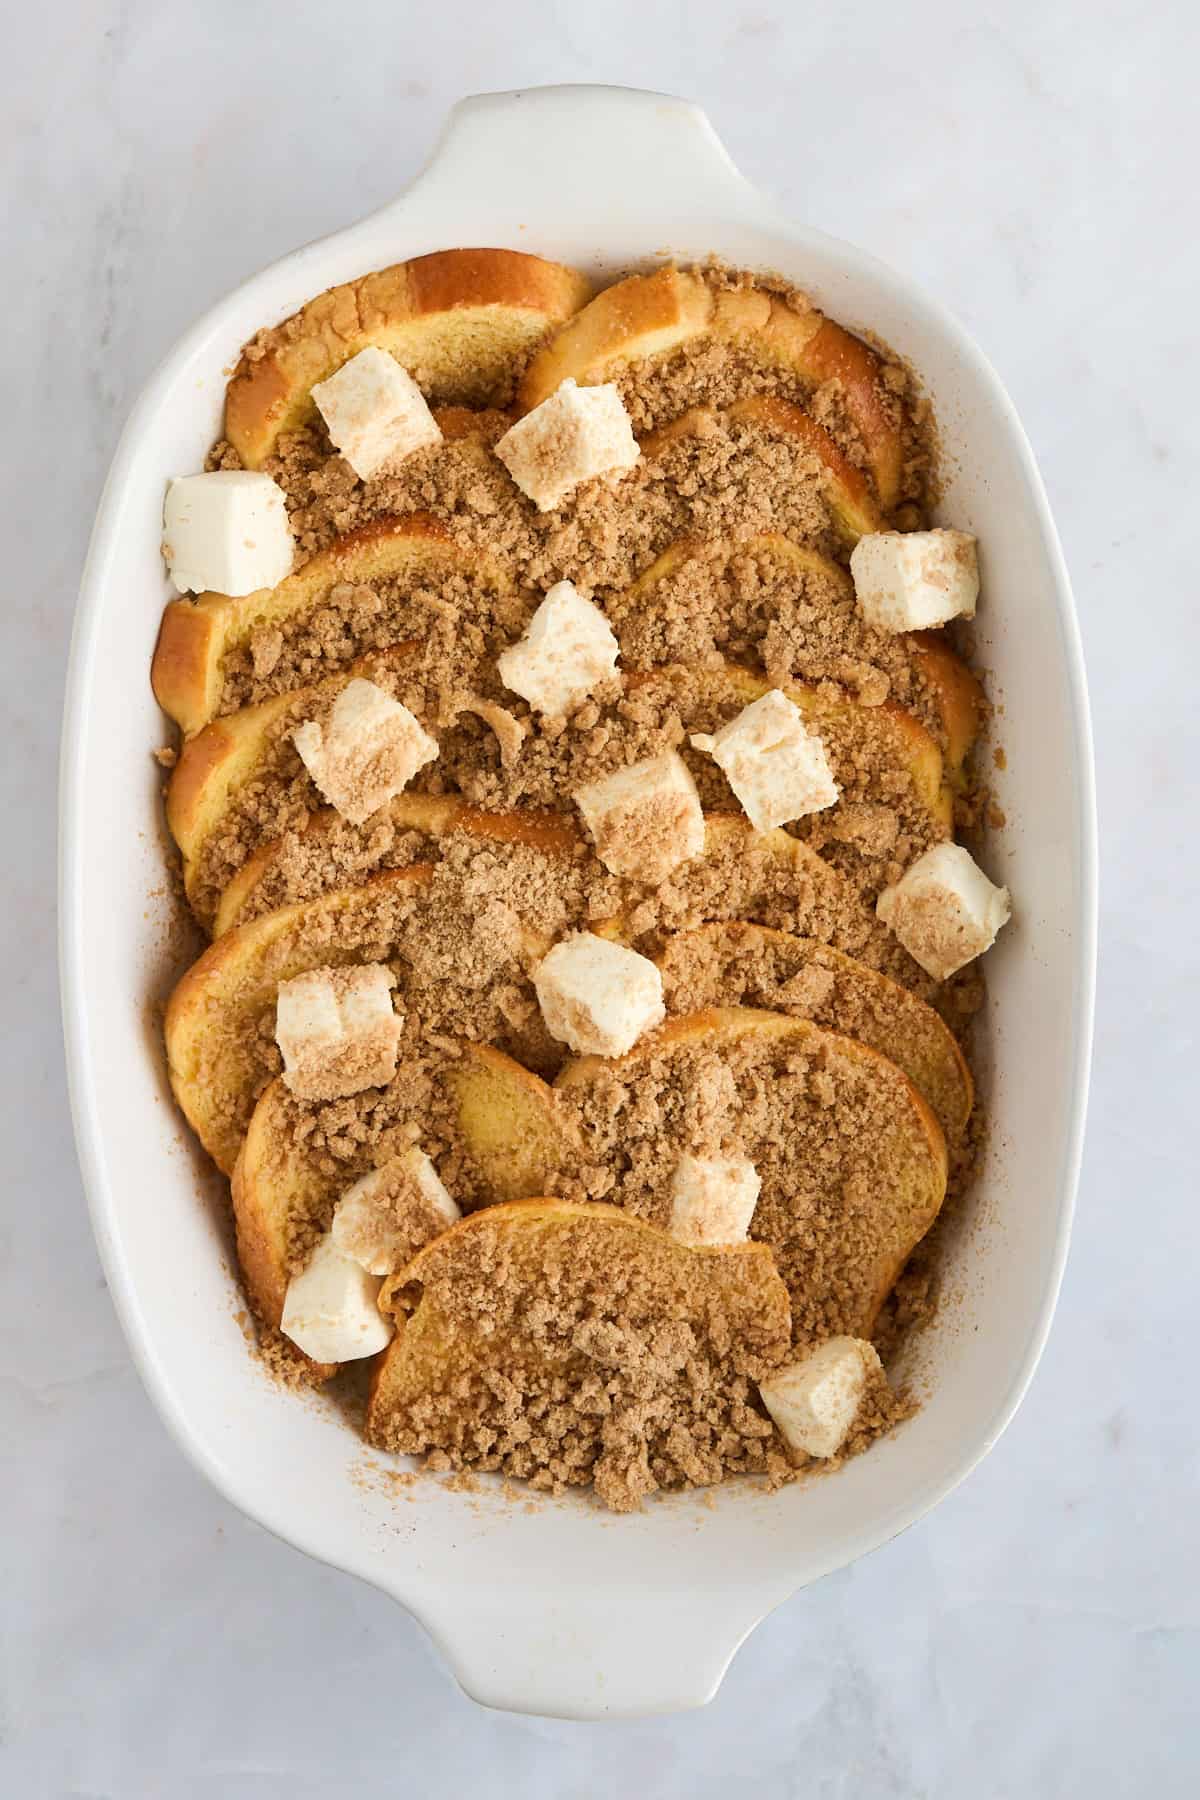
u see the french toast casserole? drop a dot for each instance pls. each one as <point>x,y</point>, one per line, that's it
<point>574,734</point>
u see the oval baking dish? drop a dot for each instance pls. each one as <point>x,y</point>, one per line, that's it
<point>556,1610</point>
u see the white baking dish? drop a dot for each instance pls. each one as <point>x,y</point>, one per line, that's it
<point>565,1610</point>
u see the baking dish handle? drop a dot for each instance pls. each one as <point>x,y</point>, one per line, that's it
<point>596,1654</point>
<point>599,149</point>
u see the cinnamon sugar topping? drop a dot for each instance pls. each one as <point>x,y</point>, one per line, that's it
<point>544,790</point>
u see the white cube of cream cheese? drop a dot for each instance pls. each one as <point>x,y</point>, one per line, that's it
<point>578,433</point>
<point>387,1216</point>
<point>944,910</point>
<point>713,1199</point>
<point>375,413</point>
<point>367,751</point>
<point>777,767</point>
<point>227,532</point>
<point>337,1031</point>
<point>910,580</point>
<point>645,820</point>
<point>567,650</point>
<point>330,1310</point>
<point>598,997</point>
<point>815,1401</point>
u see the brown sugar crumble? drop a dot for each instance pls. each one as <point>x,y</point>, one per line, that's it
<point>633,1372</point>
<point>588,1356</point>
<point>820,1128</point>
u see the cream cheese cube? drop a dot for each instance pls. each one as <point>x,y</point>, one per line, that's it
<point>578,433</point>
<point>713,1199</point>
<point>387,1216</point>
<point>366,753</point>
<point>776,766</point>
<point>815,1401</point>
<point>375,412</point>
<point>598,997</point>
<point>337,1031</point>
<point>331,1311</point>
<point>911,580</point>
<point>645,820</point>
<point>568,649</point>
<point>944,910</point>
<point>226,531</point>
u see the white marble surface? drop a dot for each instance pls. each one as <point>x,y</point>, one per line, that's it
<point>1033,163</point>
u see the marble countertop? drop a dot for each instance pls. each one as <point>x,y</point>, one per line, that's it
<point>1039,1634</point>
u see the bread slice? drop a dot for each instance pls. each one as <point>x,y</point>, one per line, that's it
<point>508,1123</point>
<point>852,504</point>
<point>807,565</point>
<point>769,877</point>
<point>959,696</point>
<point>237,753</point>
<point>851,1158</point>
<point>197,636</point>
<point>219,1039</point>
<point>220,1049</point>
<point>219,1024</point>
<point>648,316</point>
<point>859,739</point>
<point>462,322</point>
<point>887,735</point>
<point>552,1311</point>
<point>736,964</point>
<point>435,817</point>
<point>954,691</point>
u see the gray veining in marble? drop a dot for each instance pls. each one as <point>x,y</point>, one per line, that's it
<point>1034,163</point>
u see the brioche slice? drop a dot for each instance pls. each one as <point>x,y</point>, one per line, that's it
<point>633,1357</point>
<point>462,322</point>
<point>851,1158</point>
<point>640,616</point>
<point>649,316</point>
<point>233,756</point>
<point>771,878</point>
<point>870,748</point>
<point>197,637</point>
<point>735,964</point>
<point>506,1121</point>
<point>803,560</point>
<point>627,611</point>
<point>959,696</point>
<point>848,494</point>
<point>858,739</point>
<point>220,1019</point>
<point>249,892</point>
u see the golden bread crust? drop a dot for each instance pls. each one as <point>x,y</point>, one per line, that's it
<point>888,732</point>
<point>645,315</point>
<point>510,1123</point>
<point>435,1345</point>
<point>651,315</point>
<point>196,635</point>
<point>491,306</point>
<point>436,817</point>
<point>913,1151</point>
<point>960,699</point>
<point>895,733</point>
<point>854,506</point>
<point>217,763</point>
<point>211,1015</point>
<point>847,491</point>
<point>859,1002</point>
